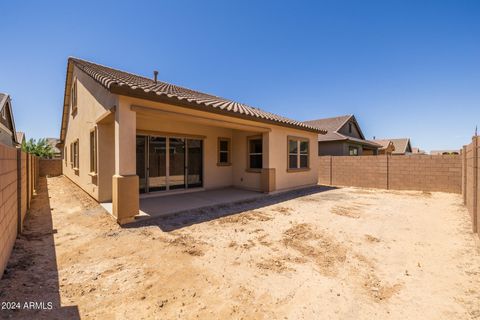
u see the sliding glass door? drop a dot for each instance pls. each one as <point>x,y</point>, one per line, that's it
<point>169,163</point>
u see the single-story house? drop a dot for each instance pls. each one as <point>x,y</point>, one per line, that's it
<point>402,146</point>
<point>344,137</point>
<point>125,137</point>
<point>387,146</point>
<point>8,135</point>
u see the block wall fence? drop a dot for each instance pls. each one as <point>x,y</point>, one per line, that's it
<point>394,172</point>
<point>18,178</point>
<point>470,181</point>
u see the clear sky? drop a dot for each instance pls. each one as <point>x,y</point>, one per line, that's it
<point>404,68</point>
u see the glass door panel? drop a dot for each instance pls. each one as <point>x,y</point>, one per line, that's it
<point>194,163</point>
<point>141,162</point>
<point>176,178</point>
<point>157,164</point>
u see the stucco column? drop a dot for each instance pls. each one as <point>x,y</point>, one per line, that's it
<point>125,193</point>
<point>268,171</point>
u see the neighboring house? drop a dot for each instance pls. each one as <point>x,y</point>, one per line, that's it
<point>344,137</point>
<point>416,150</point>
<point>8,135</point>
<point>125,135</point>
<point>21,139</point>
<point>444,152</point>
<point>387,146</point>
<point>57,153</point>
<point>401,146</point>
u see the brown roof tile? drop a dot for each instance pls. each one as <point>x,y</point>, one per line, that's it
<point>116,81</point>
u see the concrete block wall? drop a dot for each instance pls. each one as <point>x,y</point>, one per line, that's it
<point>50,167</point>
<point>8,202</point>
<point>470,181</point>
<point>363,171</point>
<point>418,172</point>
<point>18,178</point>
<point>426,173</point>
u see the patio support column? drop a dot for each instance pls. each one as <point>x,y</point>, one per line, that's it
<point>268,171</point>
<point>125,192</point>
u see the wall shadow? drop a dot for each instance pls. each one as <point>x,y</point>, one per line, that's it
<point>31,278</point>
<point>184,219</point>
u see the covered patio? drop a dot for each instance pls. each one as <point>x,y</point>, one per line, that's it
<point>168,204</point>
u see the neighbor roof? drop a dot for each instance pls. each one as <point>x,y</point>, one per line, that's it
<point>400,144</point>
<point>332,125</point>
<point>129,84</point>
<point>4,98</point>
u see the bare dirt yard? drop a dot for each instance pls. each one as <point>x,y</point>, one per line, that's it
<point>319,254</point>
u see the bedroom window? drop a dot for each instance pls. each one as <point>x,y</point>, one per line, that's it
<point>298,153</point>
<point>75,155</point>
<point>255,153</point>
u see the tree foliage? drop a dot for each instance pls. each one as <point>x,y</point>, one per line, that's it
<point>40,148</point>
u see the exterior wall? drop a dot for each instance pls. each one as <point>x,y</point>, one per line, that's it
<point>50,167</point>
<point>92,102</point>
<point>422,172</point>
<point>331,148</point>
<point>470,182</point>
<point>214,176</point>
<point>178,120</point>
<point>8,203</point>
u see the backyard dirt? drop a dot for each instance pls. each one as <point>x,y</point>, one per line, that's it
<point>327,254</point>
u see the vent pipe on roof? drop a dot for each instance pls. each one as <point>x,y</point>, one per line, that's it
<point>155,75</point>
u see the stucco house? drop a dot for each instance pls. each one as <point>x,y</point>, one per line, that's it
<point>402,146</point>
<point>8,135</point>
<point>387,146</point>
<point>344,137</point>
<point>126,137</point>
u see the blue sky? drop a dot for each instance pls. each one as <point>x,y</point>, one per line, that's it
<point>404,68</point>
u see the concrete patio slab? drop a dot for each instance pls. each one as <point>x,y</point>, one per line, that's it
<point>164,205</point>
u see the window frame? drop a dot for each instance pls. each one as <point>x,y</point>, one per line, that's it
<point>251,138</point>
<point>350,148</point>
<point>93,152</point>
<point>228,152</point>
<point>298,154</point>
<point>75,155</point>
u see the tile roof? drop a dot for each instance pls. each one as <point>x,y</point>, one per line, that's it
<point>333,125</point>
<point>126,83</point>
<point>400,144</point>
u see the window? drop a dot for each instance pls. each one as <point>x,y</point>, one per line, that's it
<point>74,159</point>
<point>298,153</point>
<point>353,151</point>
<point>73,96</point>
<point>65,155</point>
<point>93,151</point>
<point>223,152</point>
<point>255,155</point>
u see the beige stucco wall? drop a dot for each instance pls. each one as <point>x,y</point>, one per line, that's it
<point>92,102</point>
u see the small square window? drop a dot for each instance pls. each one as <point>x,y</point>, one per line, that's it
<point>298,153</point>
